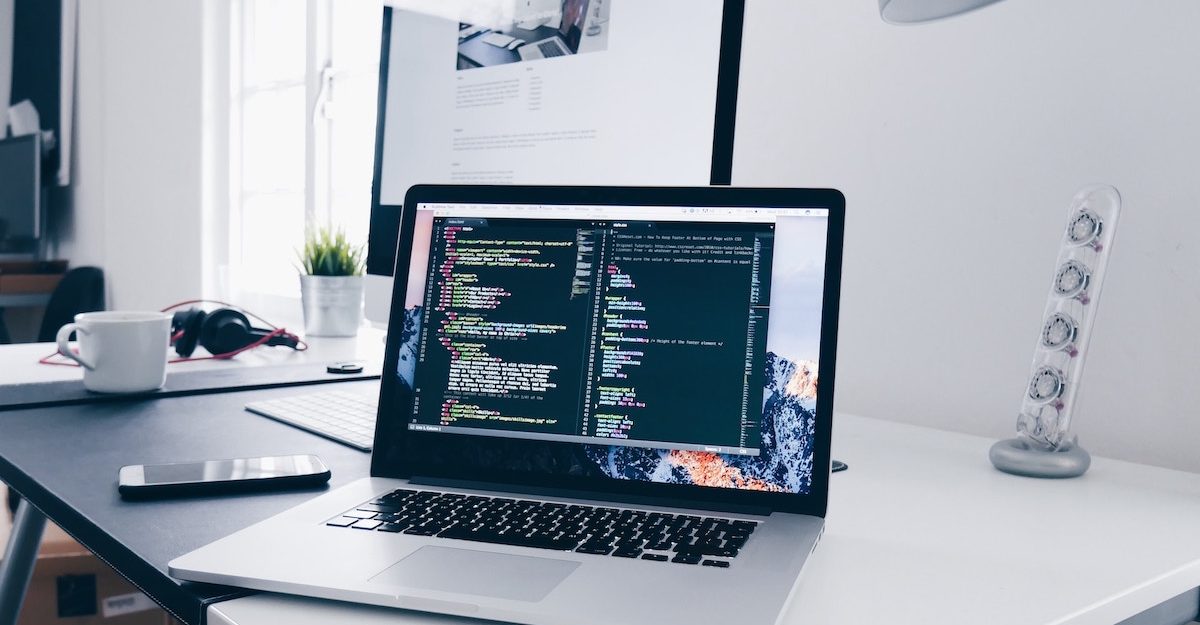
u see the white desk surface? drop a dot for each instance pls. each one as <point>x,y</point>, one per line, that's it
<point>923,531</point>
<point>19,362</point>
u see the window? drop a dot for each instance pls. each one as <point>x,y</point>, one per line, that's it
<point>302,133</point>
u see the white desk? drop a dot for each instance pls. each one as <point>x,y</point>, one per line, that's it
<point>923,531</point>
<point>19,363</point>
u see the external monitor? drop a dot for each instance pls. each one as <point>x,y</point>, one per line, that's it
<point>20,194</point>
<point>638,100</point>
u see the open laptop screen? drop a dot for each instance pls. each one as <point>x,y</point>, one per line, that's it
<point>669,344</point>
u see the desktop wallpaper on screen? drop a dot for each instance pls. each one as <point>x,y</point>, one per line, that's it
<point>788,425</point>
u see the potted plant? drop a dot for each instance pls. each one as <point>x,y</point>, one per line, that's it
<point>331,284</point>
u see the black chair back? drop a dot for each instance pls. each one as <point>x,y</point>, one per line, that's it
<point>80,290</point>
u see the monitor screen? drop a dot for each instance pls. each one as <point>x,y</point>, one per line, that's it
<point>555,92</point>
<point>670,344</point>
<point>20,191</point>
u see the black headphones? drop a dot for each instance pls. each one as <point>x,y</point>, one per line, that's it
<point>221,331</point>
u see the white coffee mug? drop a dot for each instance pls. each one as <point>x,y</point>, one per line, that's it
<point>120,352</point>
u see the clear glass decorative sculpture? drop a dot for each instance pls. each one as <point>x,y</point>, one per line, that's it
<point>1045,446</point>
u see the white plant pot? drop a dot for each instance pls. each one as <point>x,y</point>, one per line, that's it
<point>333,305</point>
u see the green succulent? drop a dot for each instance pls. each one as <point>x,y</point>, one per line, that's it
<point>328,253</point>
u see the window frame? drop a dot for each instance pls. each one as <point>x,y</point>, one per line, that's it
<point>231,280</point>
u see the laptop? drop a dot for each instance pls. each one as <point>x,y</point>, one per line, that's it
<point>599,406</point>
<point>547,48</point>
<point>566,42</point>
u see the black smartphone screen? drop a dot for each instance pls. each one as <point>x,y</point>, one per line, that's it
<point>230,470</point>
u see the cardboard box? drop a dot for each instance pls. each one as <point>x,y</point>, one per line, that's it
<point>70,586</point>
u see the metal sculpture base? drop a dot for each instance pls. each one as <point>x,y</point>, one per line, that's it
<point>1018,457</point>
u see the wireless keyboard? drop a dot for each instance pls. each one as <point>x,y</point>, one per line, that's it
<point>348,418</point>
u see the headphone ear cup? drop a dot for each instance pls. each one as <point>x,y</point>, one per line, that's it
<point>225,331</point>
<point>189,322</point>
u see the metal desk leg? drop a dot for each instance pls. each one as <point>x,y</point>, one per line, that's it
<point>19,558</point>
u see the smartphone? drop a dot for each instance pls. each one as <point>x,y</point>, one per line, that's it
<point>144,481</point>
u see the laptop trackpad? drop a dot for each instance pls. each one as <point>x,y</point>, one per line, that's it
<point>467,571</point>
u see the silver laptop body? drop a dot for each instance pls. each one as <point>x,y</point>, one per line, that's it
<point>468,494</point>
<point>538,49</point>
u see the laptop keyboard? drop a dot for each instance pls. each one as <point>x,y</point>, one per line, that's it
<point>617,532</point>
<point>551,48</point>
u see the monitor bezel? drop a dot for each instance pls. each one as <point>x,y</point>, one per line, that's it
<point>392,435</point>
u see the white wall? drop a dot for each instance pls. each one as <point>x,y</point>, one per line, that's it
<point>958,145</point>
<point>139,197</point>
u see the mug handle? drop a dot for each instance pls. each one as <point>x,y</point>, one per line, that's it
<point>64,333</point>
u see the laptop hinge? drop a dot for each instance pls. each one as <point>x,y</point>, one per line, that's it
<point>599,497</point>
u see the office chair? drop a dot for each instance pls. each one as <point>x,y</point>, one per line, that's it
<point>80,290</point>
